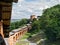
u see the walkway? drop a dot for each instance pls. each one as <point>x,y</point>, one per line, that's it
<point>25,42</point>
<point>37,39</point>
<point>6,41</point>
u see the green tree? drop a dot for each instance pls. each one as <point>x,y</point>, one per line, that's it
<point>17,24</point>
<point>35,27</point>
<point>24,21</point>
<point>12,26</point>
<point>50,22</point>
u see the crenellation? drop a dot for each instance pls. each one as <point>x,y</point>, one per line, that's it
<point>18,33</point>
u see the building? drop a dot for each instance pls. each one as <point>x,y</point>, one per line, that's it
<point>16,34</point>
<point>32,17</point>
<point>5,16</point>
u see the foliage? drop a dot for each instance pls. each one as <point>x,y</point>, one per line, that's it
<point>27,35</point>
<point>35,26</point>
<point>17,24</point>
<point>12,26</point>
<point>50,22</point>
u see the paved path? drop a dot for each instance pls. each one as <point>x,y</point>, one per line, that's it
<point>25,42</point>
<point>39,38</point>
<point>32,41</point>
<point>32,44</point>
<point>6,41</point>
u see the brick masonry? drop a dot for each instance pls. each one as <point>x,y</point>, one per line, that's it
<point>17,34</point>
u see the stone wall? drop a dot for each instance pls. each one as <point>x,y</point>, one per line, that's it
<point>17,34</point>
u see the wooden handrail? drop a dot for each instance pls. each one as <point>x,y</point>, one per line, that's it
<point>1,28</point>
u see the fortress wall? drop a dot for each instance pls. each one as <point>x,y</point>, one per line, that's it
<point>18,34</point>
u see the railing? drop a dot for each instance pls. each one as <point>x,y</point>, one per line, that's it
<point>2,42</point>
<point>1,28</point>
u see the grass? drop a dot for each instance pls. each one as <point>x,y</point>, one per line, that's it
<point>22,43</point>
<point>26,36</point>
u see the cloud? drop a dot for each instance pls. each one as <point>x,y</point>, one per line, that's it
<point>30,10</point>
<point>20,1</point>
<point>25,8</point>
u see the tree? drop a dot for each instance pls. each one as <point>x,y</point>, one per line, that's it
<point>17,24</point>
<point>35,27</point>
<point>12,26</point>
<point>50,22</point>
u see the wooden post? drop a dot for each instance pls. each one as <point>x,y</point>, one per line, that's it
<point>1,28</point>
<point>5,14</point>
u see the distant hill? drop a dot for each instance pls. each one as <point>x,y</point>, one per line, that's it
<point>14,20</point>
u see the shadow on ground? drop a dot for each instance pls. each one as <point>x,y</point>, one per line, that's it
<point>46,42</point>
<point>36,38</point>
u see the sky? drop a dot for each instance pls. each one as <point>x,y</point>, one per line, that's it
<point>26,8</point>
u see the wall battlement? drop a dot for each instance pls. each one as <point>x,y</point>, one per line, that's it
<point>18,33</point>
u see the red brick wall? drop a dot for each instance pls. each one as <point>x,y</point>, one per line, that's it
<point>12,39</point>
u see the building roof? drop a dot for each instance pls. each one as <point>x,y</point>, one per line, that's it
<point>8,0</point>
<point>5,14</point>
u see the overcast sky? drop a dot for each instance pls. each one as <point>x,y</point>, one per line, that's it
<point>25,8</point>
